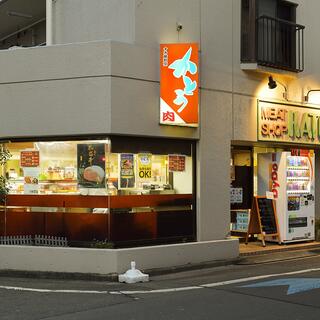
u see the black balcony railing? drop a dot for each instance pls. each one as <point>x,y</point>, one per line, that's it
<point>279,44</point>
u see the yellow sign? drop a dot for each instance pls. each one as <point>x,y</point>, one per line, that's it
<point>288,123</point>
<point>145,165</point>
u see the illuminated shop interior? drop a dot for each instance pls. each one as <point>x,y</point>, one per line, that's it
<point>86,193</point>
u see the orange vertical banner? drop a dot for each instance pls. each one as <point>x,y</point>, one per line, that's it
<point>179,84</point>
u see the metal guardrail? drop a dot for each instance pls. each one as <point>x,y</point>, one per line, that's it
<point>279,44</point>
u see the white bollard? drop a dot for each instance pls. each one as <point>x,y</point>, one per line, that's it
<point>133,275</point>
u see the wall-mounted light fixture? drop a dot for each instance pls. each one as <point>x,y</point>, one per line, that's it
<point>272,84</point>
<point>306,97</point>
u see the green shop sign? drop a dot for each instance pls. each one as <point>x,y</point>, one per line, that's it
<point>288,123</point>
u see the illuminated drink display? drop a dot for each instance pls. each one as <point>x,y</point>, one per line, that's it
<point>292,185</point>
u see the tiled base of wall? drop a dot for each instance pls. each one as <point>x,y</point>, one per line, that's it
<point>255,248</point>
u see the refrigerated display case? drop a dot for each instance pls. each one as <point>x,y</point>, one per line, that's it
<point>291,180</point>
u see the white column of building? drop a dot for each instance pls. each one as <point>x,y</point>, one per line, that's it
<point>49,22</point>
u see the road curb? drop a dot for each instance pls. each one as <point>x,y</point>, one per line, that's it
<point>58,275</point>
<point>243,259</point>
<point>191,267</point>
<point>278,256</point>
<point>282,249</point>
<point>111,277</point>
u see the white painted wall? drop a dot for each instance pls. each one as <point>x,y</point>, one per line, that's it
<point>213,191</point>
<point>215,24</point>
<point>44,91</point>
<point>66,90</point>
<point>119,87</point>
<point>83,20</point>
<point>113,261</point>
<point>156,21</point>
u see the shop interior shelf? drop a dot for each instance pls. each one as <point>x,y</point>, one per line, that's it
<point>45,181</point>
<point>298,191</point>
<point>58,181</point>
<point>298,178</point>
<point>298,168</point>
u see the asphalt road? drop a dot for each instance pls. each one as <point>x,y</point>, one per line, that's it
<point>281,290</point>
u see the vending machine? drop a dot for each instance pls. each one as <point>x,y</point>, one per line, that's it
<point>290,178</point>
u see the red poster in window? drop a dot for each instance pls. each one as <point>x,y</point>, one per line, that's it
<point>179,82</point>
<point>177,163</point>
<point>300,152</point>
<point>29,158</point>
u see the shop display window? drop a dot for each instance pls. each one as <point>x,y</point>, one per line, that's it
<point>56,167</point>
<point>93,196</point>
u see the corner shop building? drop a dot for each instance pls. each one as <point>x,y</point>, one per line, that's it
<point>83,87</point>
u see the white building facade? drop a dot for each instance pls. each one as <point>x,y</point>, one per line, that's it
<point>98,78</point>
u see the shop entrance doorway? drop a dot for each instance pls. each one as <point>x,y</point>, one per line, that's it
<point>241,189</point>
<point>294,192</point>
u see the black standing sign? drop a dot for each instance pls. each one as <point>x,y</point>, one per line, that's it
<point>263,219</point>
<point>267,216</point>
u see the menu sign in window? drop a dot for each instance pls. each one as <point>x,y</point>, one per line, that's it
<point>127,170</point>
<point>31,180</point>
<point>236,195</point>
<point>177,163</point>
<point>91,165</point>
<point>29,158</point>
<point>30,161</point>
<point>145,165</point>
